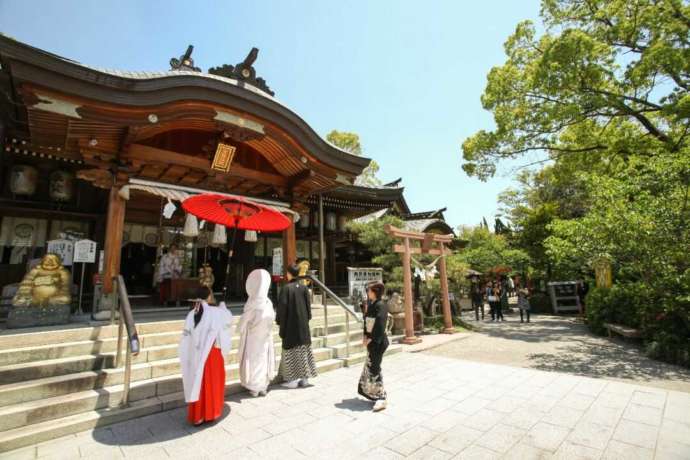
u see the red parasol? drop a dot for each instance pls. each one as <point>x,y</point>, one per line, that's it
<point>236,212</point>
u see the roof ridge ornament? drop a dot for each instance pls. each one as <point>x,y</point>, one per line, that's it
<point>185,62</point>
<point>243,71</point>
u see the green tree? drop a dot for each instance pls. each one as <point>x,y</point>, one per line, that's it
<point>486,250</point>
<point>350,143</point>
<point>373,236</point>
<point>608,77</point>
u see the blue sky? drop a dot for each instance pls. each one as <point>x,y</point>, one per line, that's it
<point>407,76</point>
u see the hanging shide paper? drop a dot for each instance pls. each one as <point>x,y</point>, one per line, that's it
<point>219,235</point>
<point>191,226</point>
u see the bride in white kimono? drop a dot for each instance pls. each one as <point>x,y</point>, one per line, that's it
<point>256,352</point>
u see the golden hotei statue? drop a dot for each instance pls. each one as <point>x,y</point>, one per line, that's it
<point>46,284</point>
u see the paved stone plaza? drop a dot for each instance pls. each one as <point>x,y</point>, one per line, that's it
<point>439,408</point>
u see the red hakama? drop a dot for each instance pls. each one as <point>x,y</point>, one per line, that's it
<point>211,400</point>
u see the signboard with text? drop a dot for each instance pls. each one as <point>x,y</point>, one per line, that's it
<point>85,251</point>
<point>358,278</point>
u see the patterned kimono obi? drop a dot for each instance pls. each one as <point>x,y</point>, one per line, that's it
<point>371,381</point>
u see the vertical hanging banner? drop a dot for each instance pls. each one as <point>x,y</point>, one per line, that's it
<point>277,269</point>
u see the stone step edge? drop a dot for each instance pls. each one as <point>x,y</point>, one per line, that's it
<point>47,336</point>
<point>111,355</point>
<point>117,388</point>
<point>96,374</point>
<point>17,438</point>
<point>96,341</point>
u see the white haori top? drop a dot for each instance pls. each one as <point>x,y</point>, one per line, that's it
<point>215,328</point>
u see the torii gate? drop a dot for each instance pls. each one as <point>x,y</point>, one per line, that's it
<point>426,240</point>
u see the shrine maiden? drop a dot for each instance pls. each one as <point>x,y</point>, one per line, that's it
<point>256,353</point>
<point>205,341</point>
<point>293,315</point>
<point>376,342</point>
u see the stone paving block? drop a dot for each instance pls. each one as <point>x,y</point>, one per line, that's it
<point>670,446</point>
<point>277,447</point>
<point>435,407</point>
<point>506,404</point>
<point>590,387</point>
<point>411,440</point>
<point>456,440</point>
<point>607,416</point>
<point>444,421</point>
<point>68,445</point>
<point>636,433</point>
<point>649,397</point>
<point>483,420</point>
<point>577,401</point>
<point>563,416</point>
<point>546,436</point>
<point>501,438</point>
<point>643,414</point>
<point>478,453</point>
<point>591,435</point>
<point>617,450</point>
<point>429,453</point>
<point>383,454</point>
<point>524,418</point>
<point>570,451</point>
<point>615,401</point>
<point>526,452</point>
<point>26,453</point>
<point>471,405</point>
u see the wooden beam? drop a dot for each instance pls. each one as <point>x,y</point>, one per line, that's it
<point>434,252</point>
<point>394,231</point>
<point>148,154</point>
<point>297,179</point>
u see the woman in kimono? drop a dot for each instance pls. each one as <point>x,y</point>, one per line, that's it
<point>523,303</point>
<point>205,341</point>
<point>293,314</point>
<point>256,353</point>
<point>376,342</point>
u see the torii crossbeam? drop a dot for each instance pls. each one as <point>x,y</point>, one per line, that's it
<point>426,246</point>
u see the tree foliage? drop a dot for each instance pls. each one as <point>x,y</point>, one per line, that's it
<point>350,143</point>
<point>485,251</point>
<point>604,72</point>
<point>373,236</point>
<point>604,92</point>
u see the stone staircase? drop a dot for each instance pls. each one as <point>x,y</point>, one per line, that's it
<point>62,380</point>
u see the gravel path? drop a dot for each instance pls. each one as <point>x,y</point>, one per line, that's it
<point>563,344</point>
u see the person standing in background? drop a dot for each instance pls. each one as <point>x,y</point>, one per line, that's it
<point>477,298</point>
<point>169,268</point>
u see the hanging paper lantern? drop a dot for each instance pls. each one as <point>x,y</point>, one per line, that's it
<point>191,226</point>
<point>342,223</point>
<point>304,220</point>
<point>169,209</point>
<point>23,180</point>
<point>61,186</point>
<point>219,235</point>
<point>331,221</point>
<point>250,236</point>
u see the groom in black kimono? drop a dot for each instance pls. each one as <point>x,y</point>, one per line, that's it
<point>293,313</point>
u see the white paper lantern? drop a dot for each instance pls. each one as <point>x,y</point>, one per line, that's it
<point>191,226</point>
<point>331,221</point>
<point>23,180</point>
<point>219,235</point>
<point>250,236</point>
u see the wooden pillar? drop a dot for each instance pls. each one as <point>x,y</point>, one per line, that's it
<point>289,245</point>
<point>322,244</point>
<point>407,293</point>
<point>447,318</point>
<point>331,271</point>
<point>113,239</point>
